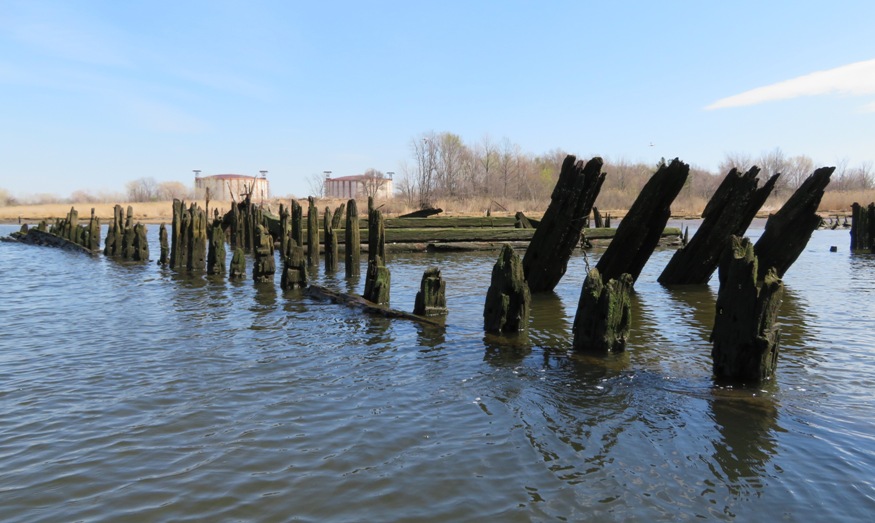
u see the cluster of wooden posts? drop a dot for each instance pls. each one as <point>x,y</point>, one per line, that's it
<point>745,335</point>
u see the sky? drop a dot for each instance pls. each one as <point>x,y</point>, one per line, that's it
<point>94,94</point>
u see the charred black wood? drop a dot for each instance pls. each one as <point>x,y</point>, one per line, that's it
<point>422,213</point>
<point>546,258</point>
<point>862,228</point>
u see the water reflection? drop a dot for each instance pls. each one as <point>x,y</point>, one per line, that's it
<point>549,325</point>
<point>747,424</point>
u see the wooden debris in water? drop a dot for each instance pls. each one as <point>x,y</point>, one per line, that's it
<point>730,211</point>
<point>431,300</point>
<point>508,299</point>
<point>787,231</point>
<point>745,337</point>
<point>604,314</point>
<point>546,258</point>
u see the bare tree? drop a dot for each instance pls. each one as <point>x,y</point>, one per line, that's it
<point>142,190</point>
<point>425,151</point>
<point>316,181</point>
<point>173,190</point>
<point>373,182</point>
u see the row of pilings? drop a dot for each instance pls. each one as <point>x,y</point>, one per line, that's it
<point>745,335</point>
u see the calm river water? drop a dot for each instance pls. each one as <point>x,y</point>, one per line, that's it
<point>131,393</point>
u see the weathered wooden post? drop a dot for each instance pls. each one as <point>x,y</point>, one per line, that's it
<point>639,232</point>
<point>330,243</point>
<point>264,267</point>
<point>177,246</point>
<point>337,220</point>
<point>376,236</point>
<point>297,223</point>
<point>598,223</point>
<point>140,248</point>
<point>729,212</point>
<point>238,264</point>
<point>285,229</point>
<point>294,267</point>
<point>745,337</point>
<point>216,252</point>
<point>163,258</point>
<point>113,243</point>
<point>862,228</point>
<point>352,248</point>
<point>431,300</point>
<point>604,314</point>
<point>377,282</point>
<point>557,235</point>
<point>128,235</point>
<point>93,232</point>
<point>787,231</point>
<point>197,239</point>
<point>508,299</point>
<point>312,233</point>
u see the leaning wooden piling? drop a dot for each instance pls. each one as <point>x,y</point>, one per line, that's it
<point>787,231</point>
<point>745,337</point>
<point>730,211</point>
<point>639,232</point>
<point>546,258</point>
<point>508,299</point>
<point>352,249</point>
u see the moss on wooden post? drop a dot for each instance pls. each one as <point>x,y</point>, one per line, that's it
<point>376,236</point>
<point>285,229</point>
<point>297,223</point>
<point>176,232</point>
<point>197,239</point>
<point>264,267</point>
<point>604,314</point>
<point>312,233</point>
<point>330,242</point>
<point>93,232</point>
<point>431,300</point>
<point>128,235</point>
<point>377,282</point>
<point>508,299</point>
<point>294,268</point>
<point>352,248</point>
<point>216,253</point>
<point>238,264</point>
<point>140,250</point>
<point>745,337</point>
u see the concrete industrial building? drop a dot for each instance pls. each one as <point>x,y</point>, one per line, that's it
<point>359,186</point>
<point>227,187</point>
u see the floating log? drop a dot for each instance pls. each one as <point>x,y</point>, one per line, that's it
<point>238,264</point>
<point>862,228</point>
<point>745,337</point>
<point>546,258</point>
<point>294,267</point>
<point>352,252</point>
<point>377,281</point>
<point>422,213</point>
<point>604,314</point>
<point>312,233</point>
<point>264,266</point>
<point>788,230</point>
<point>330,242</point>
<point>353,300</point>
<point>431,300</point>
<point>639,232</point>
<point>730,211</point>
<point>508,299</point>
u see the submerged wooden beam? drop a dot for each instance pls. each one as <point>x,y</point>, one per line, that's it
<point>354,300</point>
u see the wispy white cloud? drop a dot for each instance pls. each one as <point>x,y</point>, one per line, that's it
<point>160,116</point>
<point>853,79</point>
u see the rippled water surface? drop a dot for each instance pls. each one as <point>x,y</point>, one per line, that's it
<point>129,392</point>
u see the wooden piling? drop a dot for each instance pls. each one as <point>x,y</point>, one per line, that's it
<point>862,228</point>
<point>376,236</point>
<point>546,258</point>
<point>196,259</point>
<point>265,266</point>
<point>604,314</point>
<point>294,267</point>
<point>787,231</point>
<point>312,233</point>
<point>237,270</point>
<point>508,299</point>
<point>377,281</point>
<point>297,223</point>
<point>352,249</point>
<point>330,242</point>
<point>431,300</point>
<point>163,258</point>
<point>745,337</point>
<point>216,252</point>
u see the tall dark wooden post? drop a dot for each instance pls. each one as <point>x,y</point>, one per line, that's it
<point>376,236</point>
<point>312,233</point>
<point>508,299</point>
<point>330,243</point>
<point>352,249</point>
<point>862,228</point>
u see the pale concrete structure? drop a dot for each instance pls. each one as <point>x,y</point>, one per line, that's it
<point>359,186</point>
<point>226,187</point>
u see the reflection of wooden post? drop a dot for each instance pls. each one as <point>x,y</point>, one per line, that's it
<point>508,299</point>
<point>352,249</point>
<point>745,336</point>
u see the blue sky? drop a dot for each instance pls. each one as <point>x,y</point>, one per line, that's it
<point>98,93</point>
